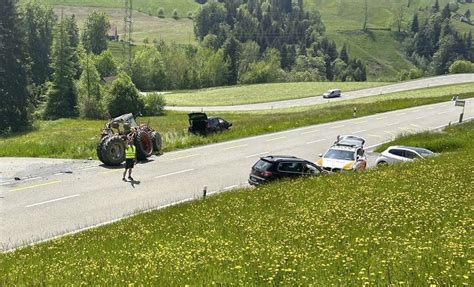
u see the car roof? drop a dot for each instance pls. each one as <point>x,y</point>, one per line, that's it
<point>344,147</point>
<point>277,158</point>
<point>350,140</point>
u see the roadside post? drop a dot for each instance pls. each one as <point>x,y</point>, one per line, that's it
<point>354,112</point>
<point>462,104</point>
<point>204,191</point>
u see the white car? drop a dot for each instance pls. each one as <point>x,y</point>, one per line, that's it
<point>332,94</point>
<point>347,154</point>
<point>395,154</point>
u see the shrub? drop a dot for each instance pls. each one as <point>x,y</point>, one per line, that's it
<point>461,66</point>
<point>161,12</point>
<point>175,14</point>
<point>123,97</point>
<point>154,104</point>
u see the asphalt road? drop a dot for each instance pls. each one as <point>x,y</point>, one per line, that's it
<point>69,196</point>
<point>394,88</point>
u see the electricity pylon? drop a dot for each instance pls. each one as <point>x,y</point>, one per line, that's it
<point>127,35</point>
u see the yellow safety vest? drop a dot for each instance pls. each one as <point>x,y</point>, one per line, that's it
<point>130,152</point>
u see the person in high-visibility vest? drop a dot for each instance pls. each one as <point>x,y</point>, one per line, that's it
<point>130,158</point>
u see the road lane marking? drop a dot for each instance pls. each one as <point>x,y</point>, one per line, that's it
<point>442,113</point>
<point>390,133</point>
<point>36,185</point>
<point>359,132</point>
<point>382,118</point>
<point>401,114</point>
<point>33,178</point>
<point>185,157</point>
<point>310,132</point>
<point>416,111</point>
<point>231,187</point>
<point>403,129</point>
<point>337,127</point>
<point>393,124</point>
<point>174,173</point>
<point>275,139</point>
<point>235,147</point>
<point>53,200</point>
<point>376,136</point>
<point>361,122</point>
<point>416,126</point>
<point>431,108</point>
<point>112,171</point>
<point>316,141</point>
<point>376,145</point>
<point>419,118</point>
<point>257,154</point>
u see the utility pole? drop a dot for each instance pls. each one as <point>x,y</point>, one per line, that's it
<point>127,36</point>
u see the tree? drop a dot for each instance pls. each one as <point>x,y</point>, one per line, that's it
<point>73,33</point>
<point>94,37</point>
<point>344,55</point>
<point>414,27</point>
<point>446,12</point>
<point>209,18</point>
<point>62,95</point>
<point>148,72</point>
<point>400,17</point>
<point>231,54</point>
<point>436,6</point>
<point>461,66</point>
<point>105,64</point>
<point>14,113</point>
<point>123,97</point>
<point>37,22</point>
<point>89,90</point>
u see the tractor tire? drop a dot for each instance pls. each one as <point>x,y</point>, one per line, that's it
<point>157,142</point>
<point>99,148</point>
<point>144,145</point>
<point>113,151</point>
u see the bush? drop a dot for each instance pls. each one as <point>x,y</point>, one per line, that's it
<point>123,97</point>
<point>190,15</point>
<point>154,104</point>
<point>161,12</point>
<point>175,14</point>
<point>461,66</point>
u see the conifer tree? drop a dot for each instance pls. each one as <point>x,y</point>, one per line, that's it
<point>89,90</point>
<point>415,26</point>
<point>14,95</point>
<point>62,98</point>
<point>344,55</point>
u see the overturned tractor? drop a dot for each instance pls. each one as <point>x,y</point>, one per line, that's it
<point>111,147</point>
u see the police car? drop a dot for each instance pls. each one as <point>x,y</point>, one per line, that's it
<point>346,154</point>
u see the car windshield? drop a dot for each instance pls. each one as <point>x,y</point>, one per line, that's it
<point>340,154</point>
<point>262,165</point>
<point>422,151</point>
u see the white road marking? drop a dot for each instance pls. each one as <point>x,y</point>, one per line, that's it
<point>275,139</point>
<point>359,132</point>
<point>174,173</point>
<point>419,118</point>
<point>376,145</point>
<point>442,113</point>
<point>393,124</point>
<point>185,157</point>
<point>401,114</point>
<point>416,111</point>
<point>382,118</point>
<point>235,147</point>
<point>336,127</point>
<point>316,141</point>
<point>376,136</point>
<point>361,122</point>
<point>33,178</point>
<point>231,187</point>
<point>431,108</point>
<point>390,133</point>
<point>310,132</point>
<point>53,200</point>
<point>416,126</point>
<point>257,154</point>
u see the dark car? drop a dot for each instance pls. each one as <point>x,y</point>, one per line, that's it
<point>271,168</point>
<point>200,124</point>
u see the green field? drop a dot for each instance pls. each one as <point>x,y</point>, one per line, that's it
<point>147,6</point>
<point>72,138</point>
<point>403,225</point>
<point>260,93</point>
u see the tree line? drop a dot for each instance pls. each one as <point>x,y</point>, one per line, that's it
<point>433,45</point>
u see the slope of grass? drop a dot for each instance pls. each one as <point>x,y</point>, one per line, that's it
<point>70,138</point>
<point>260,93</point>
<point>147,6</point>
<point>144,26</point>
<point>415,229</point>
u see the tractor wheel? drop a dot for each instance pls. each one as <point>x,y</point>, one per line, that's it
<point>144,145</point>
<point>99,148</point>
<point>157,142</point>
<point>113,151</point>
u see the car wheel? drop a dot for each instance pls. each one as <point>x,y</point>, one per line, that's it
<point>382,163</point>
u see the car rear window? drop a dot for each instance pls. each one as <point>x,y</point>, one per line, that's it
<point>422,151</point>
<point>262,165</point>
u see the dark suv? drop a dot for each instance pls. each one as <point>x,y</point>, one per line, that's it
<point>271,168</point>
<point>200,124</point>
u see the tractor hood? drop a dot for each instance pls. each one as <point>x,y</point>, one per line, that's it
<point>127,118</point>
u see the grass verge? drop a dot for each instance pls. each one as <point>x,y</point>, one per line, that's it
<point>408,224</point>
<point>71,138</point>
